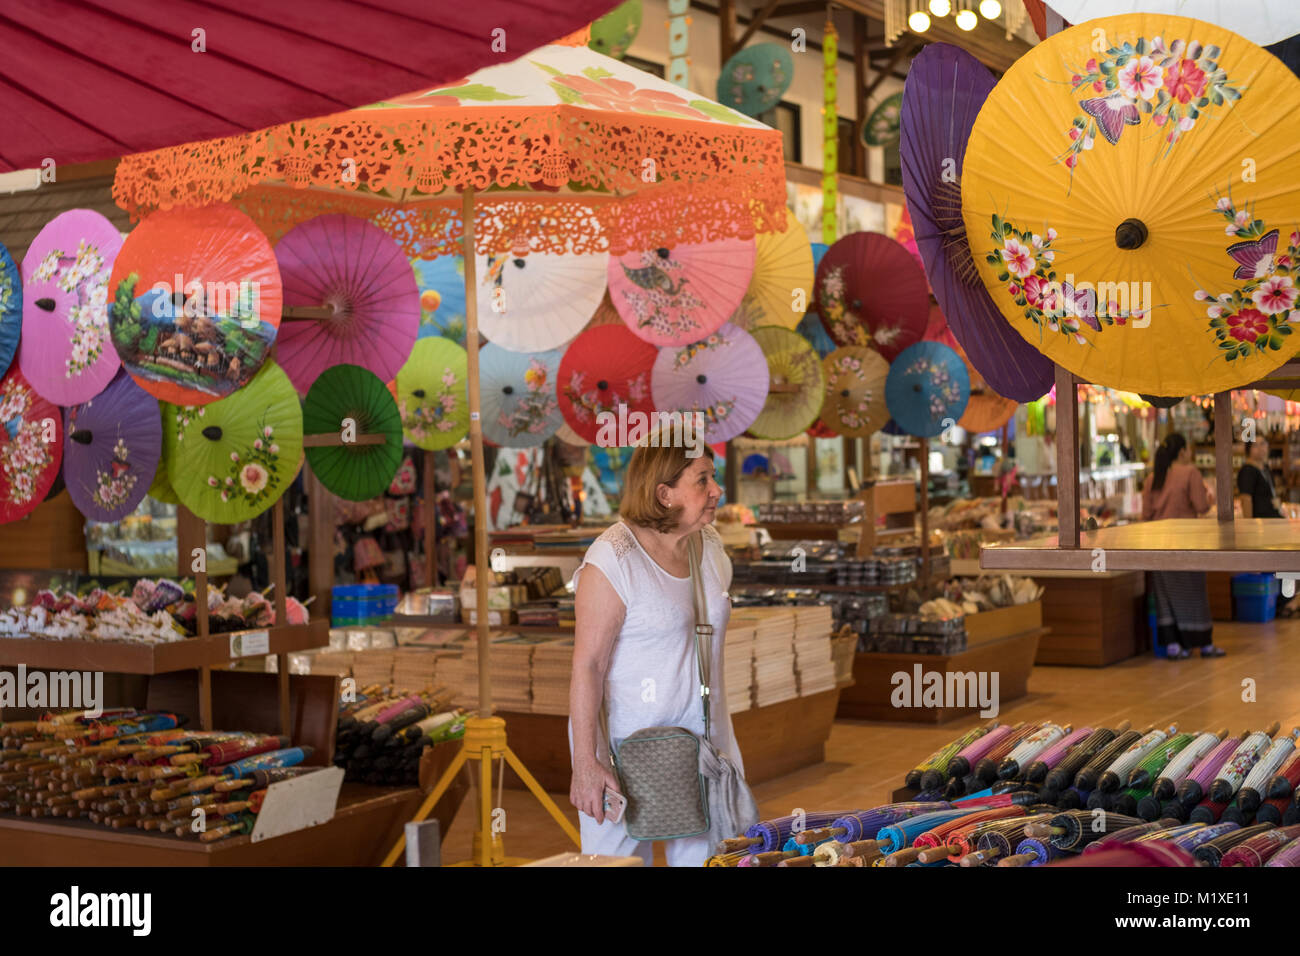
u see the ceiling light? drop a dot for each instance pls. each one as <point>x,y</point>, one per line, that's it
<point>990,9</point>
<point>941,8</point>
<point>918,22</point>
<point>967,20</point>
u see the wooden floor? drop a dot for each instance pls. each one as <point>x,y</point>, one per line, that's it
<point>866,761</point>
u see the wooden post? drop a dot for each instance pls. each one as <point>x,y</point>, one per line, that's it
<point>481,566</point>
<point>279,578</point>
<point>430,522</point>
<point>320,545</point>
<point>732,477</point>
<point>1067,458</point>
<point>1223,455</point>
<point>810,469</point>
<point>191,533</point>
<point>726,29</point>
<point>925,512</point>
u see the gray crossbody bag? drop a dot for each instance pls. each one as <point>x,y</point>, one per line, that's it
<point>659,767</point>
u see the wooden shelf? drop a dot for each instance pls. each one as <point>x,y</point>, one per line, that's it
<point>123,657</point>
<point>842,588</point>
<point>1193,544</point>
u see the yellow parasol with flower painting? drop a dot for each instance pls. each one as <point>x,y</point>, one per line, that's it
<point>1131,191</point>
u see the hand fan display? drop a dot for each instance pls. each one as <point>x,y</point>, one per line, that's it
<point>797,384</point>
<point>613,33</point>
<point>199,343</point>
<point>229,460</point>
<point>11,309</point>
<point>540,301</point>
<point>520,407</point>
<point>350,402</point>
<point>31,446</point>
<point>111,449</point>
<point>724,377</point>
<point>855,392</point>
<point>352,267</point>
<point>66,354</point>
<point>604,367</point>
<point>946,87</point>
<point>680,295</point>
<point>781,289</point>
<point>754,79</point>
<point>871,292</point>
<point>1141,259</point>
<point>441,283</point>
<point>927,389</point>
<point>431,394</point>
<point>883,126</point>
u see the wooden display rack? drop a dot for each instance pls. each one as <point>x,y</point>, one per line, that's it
<point>1251,545</point>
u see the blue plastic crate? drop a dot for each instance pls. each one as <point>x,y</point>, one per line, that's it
<point>1255,585</point>
<point>1258,608</point>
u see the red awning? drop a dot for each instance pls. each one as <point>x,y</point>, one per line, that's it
<point>82,80</point>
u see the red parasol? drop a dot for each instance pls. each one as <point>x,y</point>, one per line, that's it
<point>605,367</point>
<point>31,446</point>
<point>870,291</point>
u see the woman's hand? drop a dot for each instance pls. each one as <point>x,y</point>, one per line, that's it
<point>587,790</point>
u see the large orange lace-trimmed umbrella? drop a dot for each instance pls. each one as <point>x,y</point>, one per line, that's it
<point>564,150</point>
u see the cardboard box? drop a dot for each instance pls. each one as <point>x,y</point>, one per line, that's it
<point>1003,622</point>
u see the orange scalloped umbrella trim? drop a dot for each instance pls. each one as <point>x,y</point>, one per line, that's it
<point>632,162</point>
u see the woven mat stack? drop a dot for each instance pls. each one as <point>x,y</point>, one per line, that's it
<point>373,666</point>
<point>414,668</point>
<point>511,662</point>
<point>813,663</point>
<point>334,663</point>
<point>738,665</point>
<point>552,668</point>
<point>774,679</point>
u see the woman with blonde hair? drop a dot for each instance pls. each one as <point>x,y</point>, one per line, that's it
<point>635,654</point>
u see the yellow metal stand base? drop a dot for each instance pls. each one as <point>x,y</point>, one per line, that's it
<point>485,739</point>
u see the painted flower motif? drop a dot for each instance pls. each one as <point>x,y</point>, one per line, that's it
<point>1247,325</point>
<point>600,90</point>
<point>1275,295</point>
<point>1141,78</point>
<point>253,478</point>
<point>1018,257</point>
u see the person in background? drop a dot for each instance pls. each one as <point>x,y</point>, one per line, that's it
<point>1256,480</point>
<point>1175,489</point>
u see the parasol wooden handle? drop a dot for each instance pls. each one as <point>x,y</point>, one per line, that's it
<point>817,836</point>
<point>773,857</point>
<point>937,854</point>
<point>1020,859</point>
<point>1123,728</point>
<point>1273,728</point>
<point>979,857</point>
<point>799,861</point>
<point>184,760</point>
<point>224,786</point>
<point>904,856</point>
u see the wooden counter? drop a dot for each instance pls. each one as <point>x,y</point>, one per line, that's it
<point>1095,619</point>
<point>1176,544</point>
<point>774,740</point>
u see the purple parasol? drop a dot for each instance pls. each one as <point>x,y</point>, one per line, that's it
<point>111,448</point>
<point>66,353</point>
<point>724,377</point>
<point>945,89</point>
<point>354,268</point>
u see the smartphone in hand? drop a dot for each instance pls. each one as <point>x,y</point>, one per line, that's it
<point>615,804</point>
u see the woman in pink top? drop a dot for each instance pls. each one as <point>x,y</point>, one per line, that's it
<point>1175,490</point>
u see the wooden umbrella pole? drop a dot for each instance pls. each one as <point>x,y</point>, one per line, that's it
<point>280,577</point>
<point>481,567</point>
<point>430,523</point>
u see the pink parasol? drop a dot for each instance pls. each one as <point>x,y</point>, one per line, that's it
<point>66,353</point>
<point>680,295</point>
<point>348,265</point>
<point>724,377</point>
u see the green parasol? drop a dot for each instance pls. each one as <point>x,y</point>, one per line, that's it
<point>161,489</point>
<point>613,33</point>
<point>230,460</point>
<point>798,384</point>
<point>352,431</point>
<point>883,126</point>
<point>431,395</point>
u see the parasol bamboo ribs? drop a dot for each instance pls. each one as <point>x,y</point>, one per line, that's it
<point>1060,777</point>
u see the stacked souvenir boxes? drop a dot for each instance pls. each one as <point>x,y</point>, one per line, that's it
<point>774,679</point>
